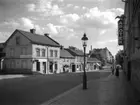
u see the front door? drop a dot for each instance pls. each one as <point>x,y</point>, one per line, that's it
<point>44,67</point>
<point>38,66</point>
<point>51,67</point>
<point>73,68</point>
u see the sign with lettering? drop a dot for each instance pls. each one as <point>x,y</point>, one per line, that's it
<point>120,32</point>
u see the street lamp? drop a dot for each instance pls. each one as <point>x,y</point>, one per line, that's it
<point>84,40</point>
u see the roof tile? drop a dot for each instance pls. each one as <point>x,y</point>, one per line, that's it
<point>40,39</point>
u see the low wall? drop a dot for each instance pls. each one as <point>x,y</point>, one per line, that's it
<point>16,71</point>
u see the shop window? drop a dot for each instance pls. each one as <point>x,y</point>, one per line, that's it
<point>56,66</point>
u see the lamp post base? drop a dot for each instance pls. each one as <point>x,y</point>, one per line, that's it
<point>84,82</point>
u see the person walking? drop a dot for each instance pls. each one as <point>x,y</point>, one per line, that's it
<point>117,71</point>
<point>112,69</point>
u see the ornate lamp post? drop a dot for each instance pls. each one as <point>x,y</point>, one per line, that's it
<point>84,40</point>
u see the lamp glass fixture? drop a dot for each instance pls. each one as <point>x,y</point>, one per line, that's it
<point>84,40</point>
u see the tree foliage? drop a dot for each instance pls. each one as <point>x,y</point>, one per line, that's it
<point>119,57</point>
<point>98,56</point>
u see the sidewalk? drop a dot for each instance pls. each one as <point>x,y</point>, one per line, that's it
<point>107,91</point>
<point>11,76</point>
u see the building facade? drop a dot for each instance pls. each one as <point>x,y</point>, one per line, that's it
<point>132,41</point>
<point>66,61</point>
<point>104,53</point>
<point>93,64</point>
<point>29,52</point>
<point>2,55</point>
<point>78,64</point>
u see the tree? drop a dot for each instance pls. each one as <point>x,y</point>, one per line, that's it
<point>98,56</point>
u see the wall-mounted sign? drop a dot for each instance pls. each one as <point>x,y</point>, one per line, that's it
<point>120,32</point>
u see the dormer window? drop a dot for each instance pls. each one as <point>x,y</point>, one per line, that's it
<point>17,40</point>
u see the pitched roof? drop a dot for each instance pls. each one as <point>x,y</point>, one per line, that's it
<point>65,54</point>
<point>92,60</point>
<point>39,39</point>
<point>76,52</point>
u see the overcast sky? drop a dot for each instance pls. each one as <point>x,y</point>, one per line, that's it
<point>65,20</point>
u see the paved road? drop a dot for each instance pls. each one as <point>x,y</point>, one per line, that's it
<point>36,89</point>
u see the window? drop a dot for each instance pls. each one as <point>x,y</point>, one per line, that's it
<point>11,51</point>
<point>17,40</point>
<point>43,52</point>
<point>51,53</point>
<point>12,64</point>
<point>37,52</point>
<point>24,64</point>
<point>55,53</point>
<point>23,51</point>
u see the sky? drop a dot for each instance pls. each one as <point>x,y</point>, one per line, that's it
<point>65,20</point>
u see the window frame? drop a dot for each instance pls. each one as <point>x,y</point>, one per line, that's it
<point>11,52</point>
<point>22,64</point>
<point>43,52</point>
<point>51,53</point>
<point>12,64</point>
<point>18,40</point>
<point>23,51</point>
<point>56,53</point>
<point>38,52</point>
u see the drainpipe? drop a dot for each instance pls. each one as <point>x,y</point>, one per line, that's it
<point>47,61</point>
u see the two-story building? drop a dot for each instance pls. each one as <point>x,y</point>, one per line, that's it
<point>2,55</point>
<point>28,52</point>
<point>79,58</point>
<point>66,60</point>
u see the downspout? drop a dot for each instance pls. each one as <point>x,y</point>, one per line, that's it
<point>47,62</point>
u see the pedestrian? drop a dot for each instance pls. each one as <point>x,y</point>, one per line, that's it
<point>117,71</point>
<point>112,69</point>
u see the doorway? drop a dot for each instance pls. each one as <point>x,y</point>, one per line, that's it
<point>51,67</point>
<point>73,68</point>
<point>44,67</point>
<point>38,66</point>
<point>129,71</point>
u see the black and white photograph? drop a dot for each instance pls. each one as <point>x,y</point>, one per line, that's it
<point>69,52</point>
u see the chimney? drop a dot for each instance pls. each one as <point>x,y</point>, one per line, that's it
<point>32,31</point>
<point>46,34</point>
<point>62,47</point>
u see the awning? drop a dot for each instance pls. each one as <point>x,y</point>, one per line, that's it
<point>98,64</point>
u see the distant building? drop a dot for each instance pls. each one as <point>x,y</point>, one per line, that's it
<point>104,53</point>
<point>28,52</point>
<point>93,64</point>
